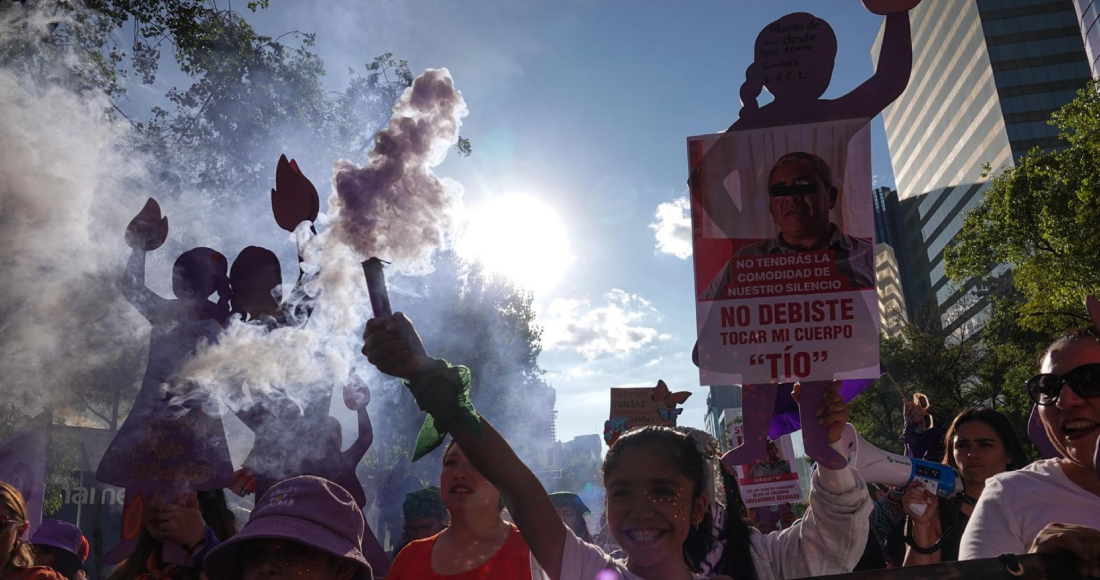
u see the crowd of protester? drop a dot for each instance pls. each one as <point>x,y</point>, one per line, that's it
<point>671,507</point>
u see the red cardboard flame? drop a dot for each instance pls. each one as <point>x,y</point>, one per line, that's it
<point>148,230</point>
<point>294,199</point>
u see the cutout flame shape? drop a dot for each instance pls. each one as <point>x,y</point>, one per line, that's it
<point>294,199</point>
<point>356,393</point>
<point>148,230</point>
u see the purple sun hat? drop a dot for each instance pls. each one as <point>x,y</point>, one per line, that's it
<point>305,509</point>
<point>63,536</point>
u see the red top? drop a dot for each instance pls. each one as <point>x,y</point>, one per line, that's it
<point>32,573</point>
<point>511,562</point>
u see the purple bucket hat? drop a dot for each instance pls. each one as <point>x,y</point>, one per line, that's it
<point>63,536</point>
<point>305,509</point>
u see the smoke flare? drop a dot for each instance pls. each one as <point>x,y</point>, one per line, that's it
<point>395,208</point>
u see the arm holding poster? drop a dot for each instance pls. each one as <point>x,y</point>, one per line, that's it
<point>830,537</point>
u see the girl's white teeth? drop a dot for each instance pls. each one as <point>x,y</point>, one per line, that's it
<point>644,535</point>
<point>1080,424</point>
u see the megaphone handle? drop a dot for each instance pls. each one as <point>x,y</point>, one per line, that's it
<point>815,435</point>
<point>758,404</point>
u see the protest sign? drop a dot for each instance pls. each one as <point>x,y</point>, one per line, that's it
<point>772,480</point>
<point>639,407</point>
<point>782,225</point>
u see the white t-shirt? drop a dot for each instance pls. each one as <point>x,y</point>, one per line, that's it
<point>828,540</point>
<point>1016,505</point>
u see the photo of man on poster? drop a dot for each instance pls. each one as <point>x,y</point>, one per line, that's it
<point>773,464</point>
<point>802,193</point>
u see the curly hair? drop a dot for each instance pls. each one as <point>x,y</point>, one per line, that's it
<point>22,556</point>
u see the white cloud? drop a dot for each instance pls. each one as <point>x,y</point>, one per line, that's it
<point>616,327</point>
<point>673,228</point>
<point>655,361</point>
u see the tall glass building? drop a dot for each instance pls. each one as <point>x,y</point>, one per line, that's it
<point>1088,12</point>
<point>987,74</point>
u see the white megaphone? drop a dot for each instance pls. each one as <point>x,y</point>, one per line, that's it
<point>878,466</point>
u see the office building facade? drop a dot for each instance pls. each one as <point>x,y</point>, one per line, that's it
<point>987,75</point>
<point>1088,13</point>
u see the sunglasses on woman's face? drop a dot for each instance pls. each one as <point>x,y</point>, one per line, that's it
<point>1083,380</point>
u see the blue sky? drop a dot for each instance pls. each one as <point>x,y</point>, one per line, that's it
<point>585,105</point>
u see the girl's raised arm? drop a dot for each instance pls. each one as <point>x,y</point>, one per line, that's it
<point>392,345</point>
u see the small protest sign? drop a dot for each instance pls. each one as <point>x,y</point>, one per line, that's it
<point>639,407</point>
<point>772,480</point>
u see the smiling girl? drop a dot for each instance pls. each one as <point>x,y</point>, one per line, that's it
<point>657,506</point>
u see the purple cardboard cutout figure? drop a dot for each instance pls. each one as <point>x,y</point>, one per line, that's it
<point>164,447</point>
<point>292,440</point>
<point>797,80</point>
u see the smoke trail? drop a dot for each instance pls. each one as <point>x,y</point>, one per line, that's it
<point>396,208</point>
<point>61,224</point>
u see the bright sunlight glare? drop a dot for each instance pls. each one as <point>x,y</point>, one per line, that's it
<point>520,237</point>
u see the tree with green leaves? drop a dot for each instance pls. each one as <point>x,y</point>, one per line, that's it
<point>62,460</point>
<point>1039,218</point>
<point>246,98</point>
<point>251,97</point>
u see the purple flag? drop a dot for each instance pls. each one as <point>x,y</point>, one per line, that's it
<point>23,465</point>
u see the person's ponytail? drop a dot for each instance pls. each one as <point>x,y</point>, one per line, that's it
<point>751,89</point>
<point>737,558</point>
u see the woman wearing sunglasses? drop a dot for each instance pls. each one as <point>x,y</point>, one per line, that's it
<point>16,555</point>
<point>1051,505</point>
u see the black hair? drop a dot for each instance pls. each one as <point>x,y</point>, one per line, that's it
<point>1014,451</point>
<point>1068,337</point>
<point>679,447</point>
<point>737,557</point>
<point>821,167</point>
<point>65,562</point>
<point>217,514</point>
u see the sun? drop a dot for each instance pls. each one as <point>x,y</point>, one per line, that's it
<point>520,237</point>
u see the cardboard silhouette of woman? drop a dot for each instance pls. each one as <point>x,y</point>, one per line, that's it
<point>794,59</point>
<point>165,447</point>
<point>292,439</point>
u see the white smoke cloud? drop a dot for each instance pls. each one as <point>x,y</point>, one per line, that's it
<point>65,198</point>
<point>616,327</point>
<point>395,207</point>
<point>673,228</point>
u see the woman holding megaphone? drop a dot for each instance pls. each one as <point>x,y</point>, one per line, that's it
<point>980,443</point>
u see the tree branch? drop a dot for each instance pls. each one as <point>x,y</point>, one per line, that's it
<point>88,405</point>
